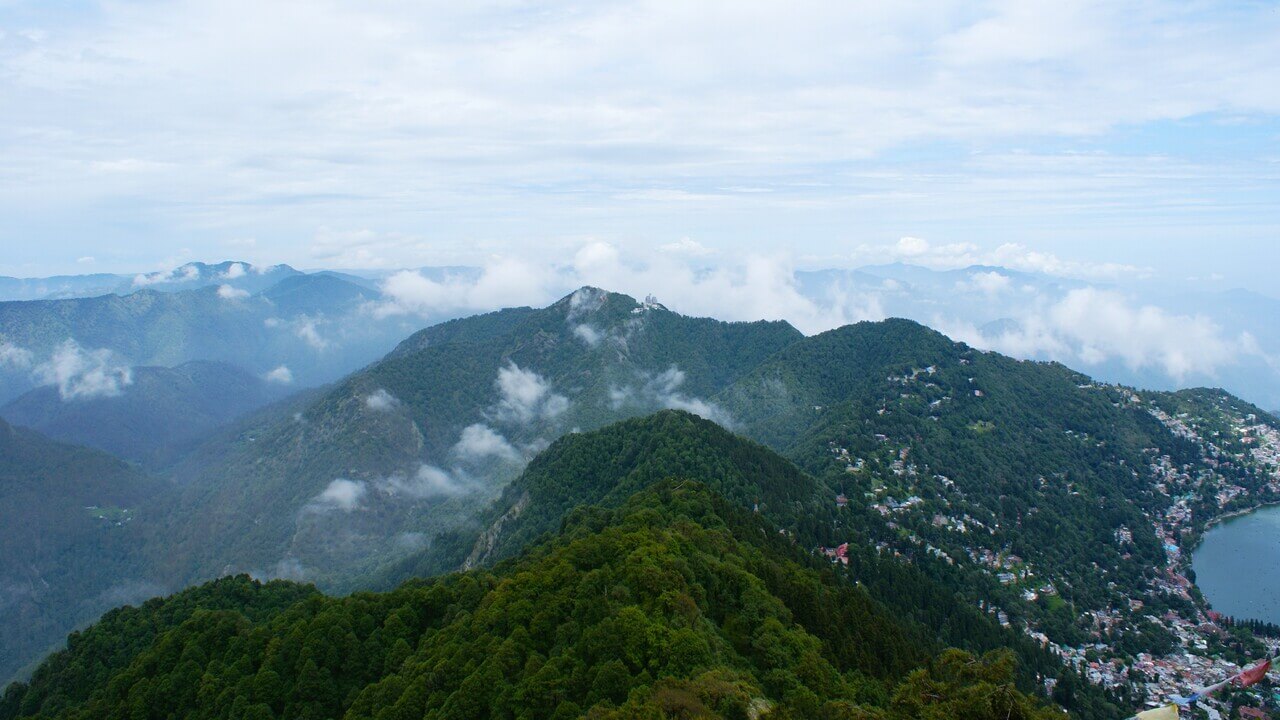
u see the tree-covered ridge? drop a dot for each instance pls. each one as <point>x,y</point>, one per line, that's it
<point>677,604</point>
<point>607,466</point>
<point>95,656</point>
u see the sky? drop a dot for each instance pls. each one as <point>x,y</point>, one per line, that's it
<point>1124,140</point>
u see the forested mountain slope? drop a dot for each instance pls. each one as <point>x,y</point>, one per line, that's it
<point>380,463</point>
<point>65,516</point>
<point>677,604</point>
<point>1057,504</point>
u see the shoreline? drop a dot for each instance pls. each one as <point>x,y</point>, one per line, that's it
<point>1224,517</point>
<point>1238,513</point>
<point>1187,558</point>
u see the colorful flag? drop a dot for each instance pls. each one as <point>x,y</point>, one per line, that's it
<point>1253,674</point>
<point>1169,712</point>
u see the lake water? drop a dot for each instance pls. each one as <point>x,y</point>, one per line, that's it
<point>1238,566</point>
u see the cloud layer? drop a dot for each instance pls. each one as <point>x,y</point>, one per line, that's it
<point>1090,326</point>
<point>461,130</point>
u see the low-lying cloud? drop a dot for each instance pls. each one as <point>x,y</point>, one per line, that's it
<point>429,481</point>
<point>14,357</point>
<point>1014,256</point>
<point>1092,326</point>
<point>480,442</point>
<point>281,375</point>
<point>81,374</point>
<point>381,401</point>
<point>525,396</point>
<point>340,495</point>
<point>178,274</point>
<point>750,287</point>
<point>504,282</point>
<point>1066,320</point>
<point>663,391</point>
<point>307,330</point>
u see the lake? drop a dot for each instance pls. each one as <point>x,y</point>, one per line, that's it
<point>1238,566</point>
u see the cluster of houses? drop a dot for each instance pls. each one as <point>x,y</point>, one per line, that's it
<point>1245,441</point>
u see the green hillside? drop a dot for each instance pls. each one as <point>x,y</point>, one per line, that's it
<point>66,540</point>
<point>677,604</point>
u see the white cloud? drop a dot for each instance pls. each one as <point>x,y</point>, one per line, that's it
<point>15,357</point>
<point>525,396</point>
<point>662,390</point>
<point>234,270</point>
<point>585,300</point>
<point>281,374</point>
<point>429,481</point>
<point>86,260</point>
<point>1092,326</point>
<point>745,287</point>
<point>919,251</point>
<point>307,329</point>
<point>911,247</point>
<point>1018,257</point>
<point>341,494</point>
<point>686,246</point>
<point>226,292</point>
<point>288,568</point>
<point>480,441</point>
<point>503,282</point>
<point>467,146</point>
<point>1014,256</point>
<point>179,274</point>
<point>381,401</point>
<point>988,283</point>
<point>587,334</point>
<point>84,374</point>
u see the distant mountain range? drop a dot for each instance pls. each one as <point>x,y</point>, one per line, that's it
<point>298,330</point>
<point>1138,333</point>
<point>161,414</point>
<point>241,276</point>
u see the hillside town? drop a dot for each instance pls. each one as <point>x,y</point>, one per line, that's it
<point>1237,469</point>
